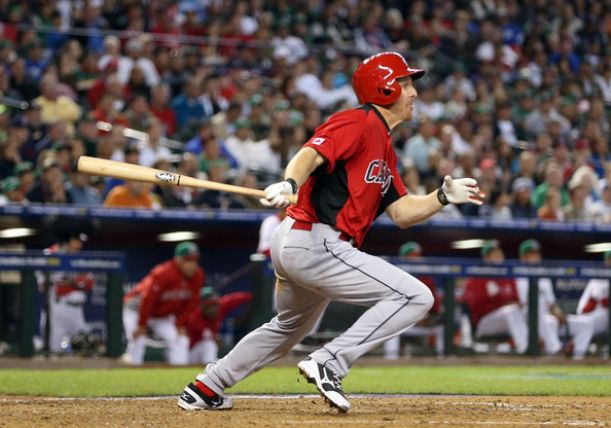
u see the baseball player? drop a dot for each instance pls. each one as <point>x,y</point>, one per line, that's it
<point>493,303</point>
<point>431,325</point>
<point>162,301</point>
<point>204,323</point>
<point>345,176</point>
<point>550,314</point>
<point>592,313</point>
<point>67,293</point>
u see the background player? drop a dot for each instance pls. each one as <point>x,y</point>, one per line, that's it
<point>67,293</point>
<point>162,301</point>
<point>431,325</point>
<point>204,323</point>
<point>551,316</point>
<point>592,313</point>
<point>347,176</point>
<point>493,303</point>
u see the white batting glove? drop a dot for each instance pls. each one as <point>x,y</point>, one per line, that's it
<point>276,195</point>
<point>460,191</point>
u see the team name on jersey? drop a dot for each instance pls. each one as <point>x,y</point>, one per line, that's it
<point>177,294</point>
<point>378,172</point>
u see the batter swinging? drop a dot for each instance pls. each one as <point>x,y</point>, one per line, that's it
<point>347,176</point>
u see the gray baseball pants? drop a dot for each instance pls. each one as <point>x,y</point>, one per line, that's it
<point>313,268</point>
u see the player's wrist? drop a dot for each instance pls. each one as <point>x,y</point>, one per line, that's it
<point>442,197</point>
<point>293,184</point>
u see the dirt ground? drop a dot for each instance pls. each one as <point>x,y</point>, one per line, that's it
<point>310,411</point>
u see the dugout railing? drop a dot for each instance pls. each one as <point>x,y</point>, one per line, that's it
<point>29,262</point>
<point>447,270</point>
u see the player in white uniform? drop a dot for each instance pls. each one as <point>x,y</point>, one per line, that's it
<point>550,314</point>
<point>592,314</point>
<point>346,175</point>
<point>67,294</point>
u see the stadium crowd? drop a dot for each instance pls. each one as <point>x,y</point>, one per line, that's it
<point>517,95</point>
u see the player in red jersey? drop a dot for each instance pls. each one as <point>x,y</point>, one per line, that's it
<point>162,301</point>
<point>204,323</point>
<point>345,176</point>
<point>494,304</point>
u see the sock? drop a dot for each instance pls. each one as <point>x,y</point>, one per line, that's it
<point>204,389</point>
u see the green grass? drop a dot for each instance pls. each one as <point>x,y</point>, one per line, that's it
<point>505,380</point>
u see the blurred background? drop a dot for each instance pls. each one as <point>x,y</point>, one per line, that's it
<point>517,94</point>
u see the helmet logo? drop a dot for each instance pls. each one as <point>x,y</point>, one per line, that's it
<point>389,70</point>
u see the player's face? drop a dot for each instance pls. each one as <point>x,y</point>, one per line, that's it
<point>531,257</point>
<point>407,98</point>
<point>210,311</point>
<point>187,267</point>
<point>495,255</point>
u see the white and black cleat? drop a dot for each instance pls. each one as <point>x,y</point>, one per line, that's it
<point>197,396</point>
<point>327,382</point>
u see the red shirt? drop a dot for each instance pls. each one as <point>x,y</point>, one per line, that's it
<point>167,117</point>
<point>165,291</point>
<point>359,179</point>
<point>196,323</point>
<point>484,295</point>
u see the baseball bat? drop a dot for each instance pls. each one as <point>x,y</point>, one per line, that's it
<point>128,171</point>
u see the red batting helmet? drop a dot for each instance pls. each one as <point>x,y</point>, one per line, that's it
<point>375,79</point>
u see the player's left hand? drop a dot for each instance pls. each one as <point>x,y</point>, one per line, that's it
<point>461,191</point>
<point>276,195</point>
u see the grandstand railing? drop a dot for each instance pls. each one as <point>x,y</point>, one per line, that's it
<point>256,216</point>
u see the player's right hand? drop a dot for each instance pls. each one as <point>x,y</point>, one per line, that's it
<point>276,195</point>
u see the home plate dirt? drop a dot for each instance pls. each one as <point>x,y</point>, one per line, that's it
<point>310,411</point>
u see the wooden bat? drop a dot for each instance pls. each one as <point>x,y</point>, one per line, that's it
<point>128,171</point>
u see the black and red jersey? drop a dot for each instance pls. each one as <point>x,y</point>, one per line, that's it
<point>359,178</point>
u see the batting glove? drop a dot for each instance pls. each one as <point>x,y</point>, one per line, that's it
<point>276,195</point>
<point>459,191</point>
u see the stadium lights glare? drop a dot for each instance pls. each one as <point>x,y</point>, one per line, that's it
<point>17,232</point>
<point>467,244</point>
<point>601,247</point>
<point>182,235</point>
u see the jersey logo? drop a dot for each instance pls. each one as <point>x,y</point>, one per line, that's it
<point>378,172</point>
<point>318,141</point>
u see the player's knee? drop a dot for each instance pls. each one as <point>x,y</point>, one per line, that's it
<point>426,298</point>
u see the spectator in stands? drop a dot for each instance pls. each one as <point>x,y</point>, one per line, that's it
<point>205,321</point>
<point>130,195</point>
<point>138,114</point>
<point>521,206</point>
<point>189,109</point>
<point>80,190</point>
<point>162,302</point>
<point>153,149</point>
<point>602,208</point>
<point>418,147</point>
<point>223,123</point>
<point>55,107</point>
<point>9,158</point>
<point>11,191</point>
<point>551,316</point>
<point>551,209</point>
<point>553,179</point>
<point>592,312</point>
<point>493,303</point>
<point>160,108</point>
<point>578,210</point>
<point>25,173</point>
<point>427,327</point>
<point>50,189</point>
